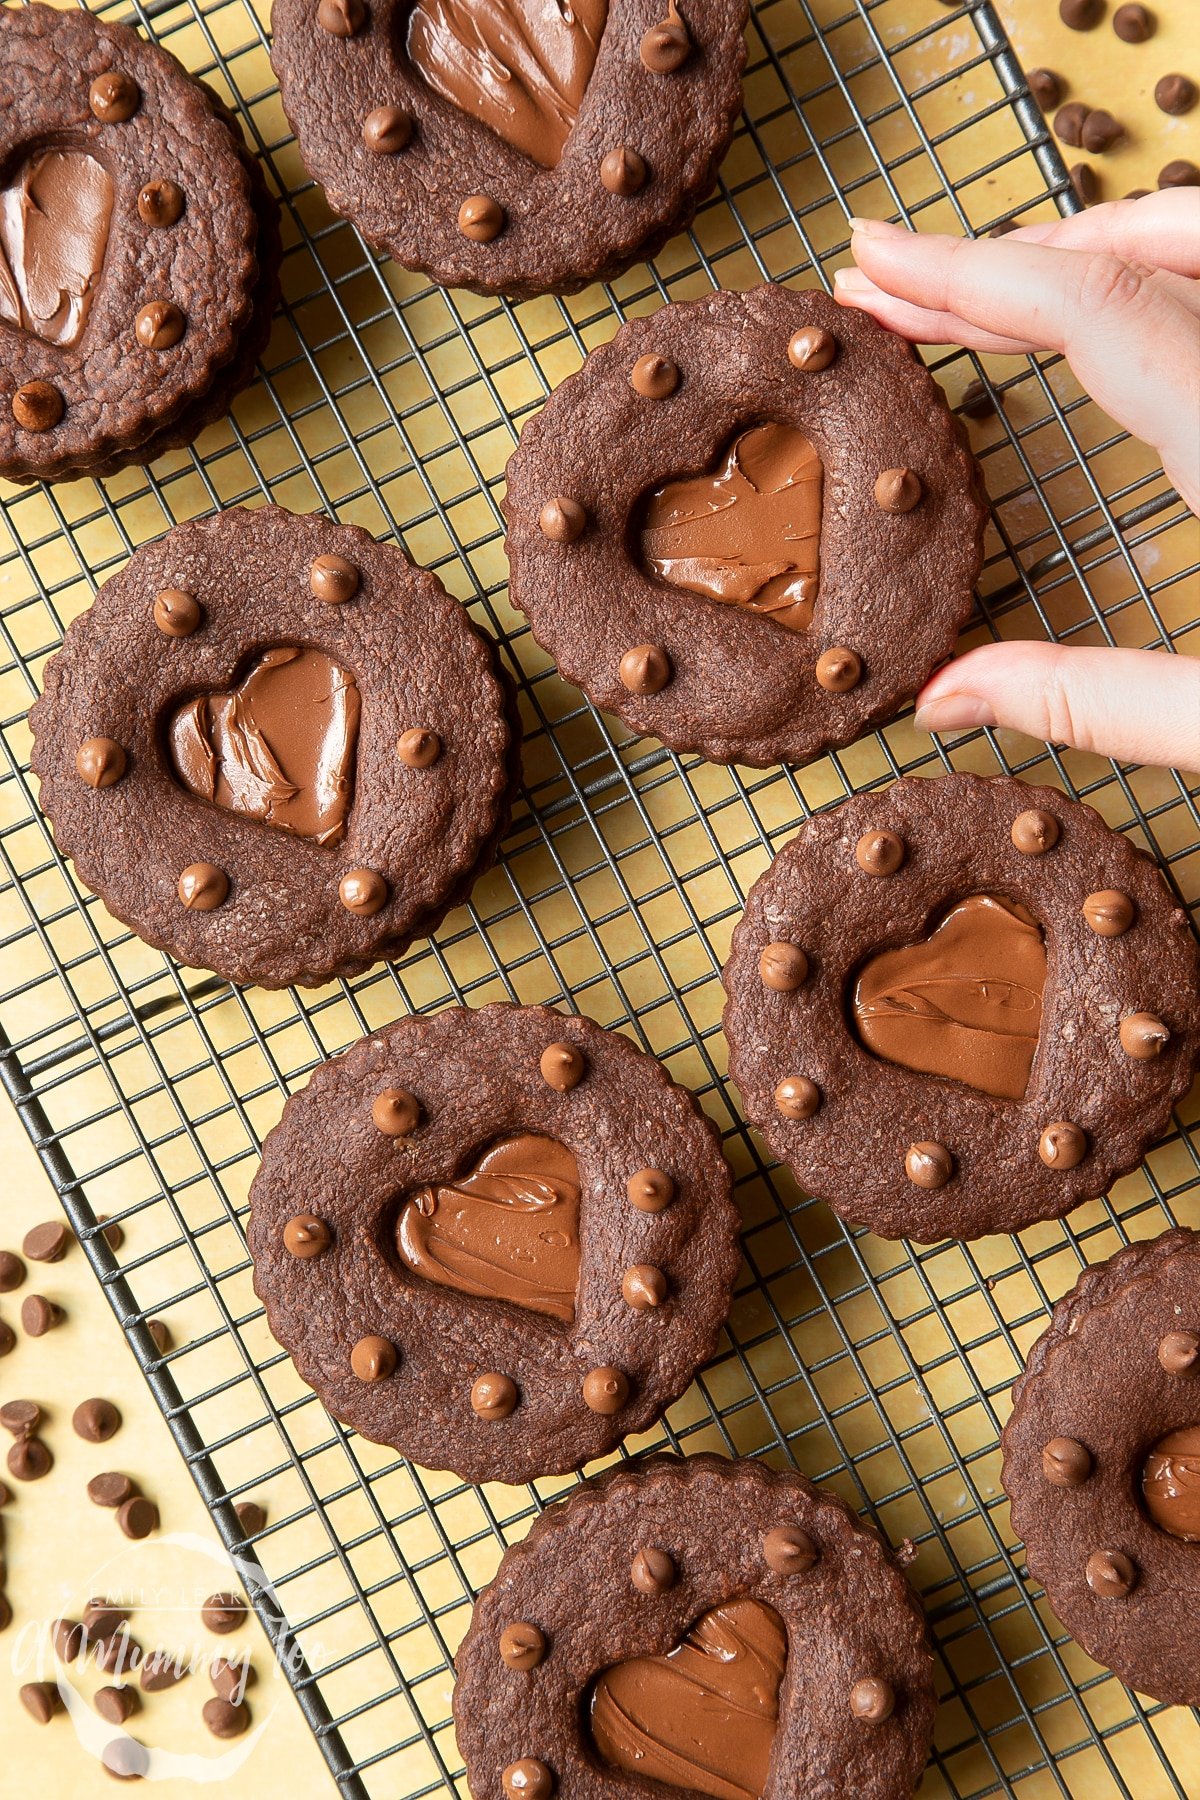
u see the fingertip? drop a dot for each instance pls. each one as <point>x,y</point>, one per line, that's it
<point>953,712</point>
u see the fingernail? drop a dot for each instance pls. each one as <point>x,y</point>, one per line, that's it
<point>872,227</point>
<point>953,712</point>
<point>852,281</point>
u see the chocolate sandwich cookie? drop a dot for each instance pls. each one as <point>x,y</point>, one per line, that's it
<point>510,146</point>
<point>1102,1464</point>
<point>499,1241</point>
<point>246,771</point>
<point>960,1006</point>
<point>712,1626</point>
<point>139,249</point>
<point>746,526</point>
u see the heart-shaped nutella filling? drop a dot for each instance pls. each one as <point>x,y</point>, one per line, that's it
<point>54,219</point>
<point>508,1229</point>
<point>702,1716</point>
<point>747,531</point>
<point>278,747</point>
<point>520,66</point>
<point>965,1003</point>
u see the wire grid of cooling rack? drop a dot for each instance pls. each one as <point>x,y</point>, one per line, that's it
<point>878,1368</point>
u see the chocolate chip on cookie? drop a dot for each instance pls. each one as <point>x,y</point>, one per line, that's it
<point>709,1625</point>
<point>495,1295</point>
<point>996,1015</point>
<point>262,818</point>
<point>778,529</point>
<point>139,249</point>
<point>1102,1464</point>
<point>516,148</point>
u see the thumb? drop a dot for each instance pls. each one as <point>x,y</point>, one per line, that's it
<point>1133,705</point>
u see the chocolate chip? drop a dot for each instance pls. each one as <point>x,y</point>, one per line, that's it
<point>102,1618</point>
<point>5,1495</point>
<point>5,1613</point>
<point>652,1570</point>
<point>110,1489</point>
<point>522,1645</point>
<point>8,1337</point>
<point>115,1703</point>
<point>29,1459</point>
<point>119,1654</point>
<point>95,1421</point>
<point>47,1243</point>
<point>1046,87</point>
<point>20,1417</point>
<point>562,519</point>
<point>223,1612</point>
<point>225,1718</point>
<point>114,97</point>
<point>976,401</point>
<point>125,1758</point>
<point>1180,173</point>
<point>137,1516</point>
<point>159,325</point>
<point>251,1516</point>
<point>481,218</point>
<point>113,1235</point>
<point>1081,15</point>
<point>1069,122</point>
<point>387,130</point>
<point>1003,228</point>
<point>12,1271</point>
<point>37,406</point>
<point>39,1315</point>
<point>1101,131</point>
<point>41,1700</point>
<point>231,1678</point>
<point>160,1331</point>
<point>1175,94</point>
<point>160,1670</point>
<point>872,1700</point>
<point>67,1637</point>
<point>1133,24</point>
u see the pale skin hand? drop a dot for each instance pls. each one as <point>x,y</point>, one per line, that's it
<point>1116,290</point>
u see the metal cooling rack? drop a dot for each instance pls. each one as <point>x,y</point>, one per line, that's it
<point>878,1368</point>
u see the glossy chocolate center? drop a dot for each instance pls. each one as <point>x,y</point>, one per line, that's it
<point>1171,1484</point>
<point>278,747</point>
<point>965,1003</point>
<point>520,66</point>
<point>54,219</point>
<point>507,1229</point>
<point>703,1716</point>
<point>748,531</point>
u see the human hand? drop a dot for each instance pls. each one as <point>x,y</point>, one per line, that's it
<point>1115,290</point>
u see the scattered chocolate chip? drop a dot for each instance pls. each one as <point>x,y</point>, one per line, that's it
<point>160,1670</point>
<point>39,1315</point>
<point>102,1618</point>
<point>1101,131</point>
<point>110,1489</point>
<point>225,1718</point>
<point>12,1271</point>
<point>95,1421</point>
<point>115,1703</point>
<point>1085,184</point>
<point>119,1654</point>
<point>47,1243</point>
<point>1137,193</point>
<point>1069,122</point>
<point>67,1637</point>
<point>137,1516</point>
<point>29,1459</point>
<point>1133,24</point>
<point>231,1678</point>
<point>223,1612</point>
<point>8,1337</point>
<point>1175,94</point>
<point>41,1700</point>
<point>5,1613</point>
<point>1046,87</point>
<point>113,1235</point>
<point>160,1331</point>
<point>1179,173</point>
<point>976,401</point>
<point>1003,228</point>
<point>20,1417</point>
<point>1081,15</point>
<point>5,1495</point>
<point>125,1759</point>
<point>251,1516</point>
